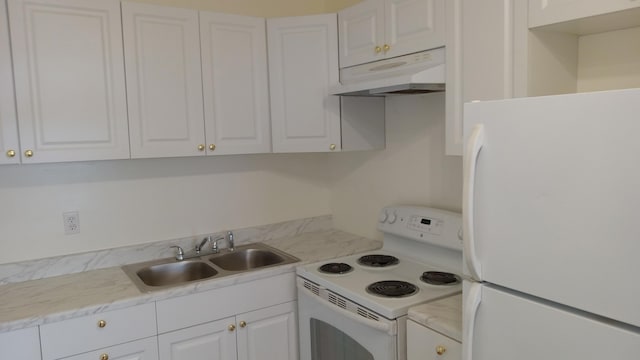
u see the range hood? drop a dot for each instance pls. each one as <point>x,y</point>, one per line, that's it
<point>418,73</point>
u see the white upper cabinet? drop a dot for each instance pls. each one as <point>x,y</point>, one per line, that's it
<point>546,12</point>
<point>164,82</point>
<point>235,83</point>
<point>9,147</point>
<point>378,29</point>
<point>480,59</point>
<point>69,79</point>
<point>303,65</point>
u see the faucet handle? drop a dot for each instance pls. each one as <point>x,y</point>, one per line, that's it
<point>180,255</point>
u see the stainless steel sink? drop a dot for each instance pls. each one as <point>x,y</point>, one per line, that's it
<point>163,273</point>
<point>247,259</point>
<point>175,273</point>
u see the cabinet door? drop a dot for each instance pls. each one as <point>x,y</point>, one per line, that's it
<point>546,12</point>
<point>413,25</point>
<point>361,33</point>
<point>164,86</point>
<point>303,65</point>
<point>480,59</point>
<point>69,79</point>
<point>21,344</point>
<point>145,349</point>
<point>268,334</point>
<point>235,82</point>
<point>8,125</point>
<point>211,341</point>
<point>426,344</point>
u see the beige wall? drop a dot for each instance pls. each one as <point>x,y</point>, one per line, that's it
<point>609,60</point>
<point>412,170</point>
<point>130,202</point>
<point>263,8</point>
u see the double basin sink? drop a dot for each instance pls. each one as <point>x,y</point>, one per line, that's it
<point>163,273</point>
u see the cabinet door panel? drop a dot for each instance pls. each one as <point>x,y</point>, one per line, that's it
<point>8,124</point>
<point>303,65</point>
<point>413,25</point>
<point>164,86</point>
<point>145,349</point>
<point>234,67</point>
<point>361,31</point>
<point>21,344</point>
<point>269,334</point>
<point>424,343</point>
<point>69,75</point>
<point>211,341</point>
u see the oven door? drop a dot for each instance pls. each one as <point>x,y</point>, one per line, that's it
<point>337,332</point>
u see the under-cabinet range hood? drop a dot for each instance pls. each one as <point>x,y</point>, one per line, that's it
<point>418,73</point>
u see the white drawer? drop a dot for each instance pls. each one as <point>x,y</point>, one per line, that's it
<point>23,344</point>
<point>145,349</point>
<point>87,333</point>
<point>185,311</point>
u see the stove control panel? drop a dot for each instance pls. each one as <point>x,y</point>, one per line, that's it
<point>434,226</point>
<point>425,224</point>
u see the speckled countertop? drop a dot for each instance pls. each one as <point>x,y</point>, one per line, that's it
<point>443,316</point>
<point>42,301</point>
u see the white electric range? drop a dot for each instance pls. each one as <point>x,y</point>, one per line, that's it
<point>355,307</point>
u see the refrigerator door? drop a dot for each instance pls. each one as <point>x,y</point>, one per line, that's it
<point>508,326</point>
<point>552,198</point>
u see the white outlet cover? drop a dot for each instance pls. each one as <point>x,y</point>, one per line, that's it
<point>71,222</point>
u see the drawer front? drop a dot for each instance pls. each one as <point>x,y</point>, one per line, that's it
<point>185,311</point>
<point>426,344</point>
<point>97,331</point>
<point>23,344</point>
<point>145,349</point>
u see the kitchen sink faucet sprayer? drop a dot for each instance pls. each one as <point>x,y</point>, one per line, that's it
<point>230,240</point>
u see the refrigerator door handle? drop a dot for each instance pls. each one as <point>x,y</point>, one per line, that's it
<point>474,145</point>
<point>472,300</point>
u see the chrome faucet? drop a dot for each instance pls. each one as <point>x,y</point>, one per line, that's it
<point>214,243</point>
<point>180,255</point>
<point>202,244</point>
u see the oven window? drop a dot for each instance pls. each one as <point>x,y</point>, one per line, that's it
<point>329,343</point>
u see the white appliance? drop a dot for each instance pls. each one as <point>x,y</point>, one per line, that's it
<point>418,73</point>
<point>340,315</point>
<point>551,209</point>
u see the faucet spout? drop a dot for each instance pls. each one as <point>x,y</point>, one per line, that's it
<point>202,244</point>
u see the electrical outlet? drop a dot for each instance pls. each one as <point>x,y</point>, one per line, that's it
<point>71,222</point>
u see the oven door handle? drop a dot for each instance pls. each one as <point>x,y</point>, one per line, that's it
<point>390,328</point>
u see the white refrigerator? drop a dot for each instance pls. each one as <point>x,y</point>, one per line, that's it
<point>551,212</point>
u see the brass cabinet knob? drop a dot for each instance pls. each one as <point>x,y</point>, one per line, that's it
<point>212,147</point>
<point>102,323</point>
<point>378,49</point>
<point>332,147</point>
<point>243,324</point>
<point>201,147</point>
<point>386,47</point>
<point>440,349</point>
<point>11,153</point>
<point>104,357</point>
<point>28,153</point>
<point>231,327</point>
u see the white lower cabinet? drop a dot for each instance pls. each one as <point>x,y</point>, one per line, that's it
<point>265,334</point>
<point>145,349</point>
<point>426,344</point>
<point>23,344</point>
<point>268,334</point>
<point>210,341</point>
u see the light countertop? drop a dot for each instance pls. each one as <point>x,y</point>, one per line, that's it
<point>443,316</point>
<point>47,300</point>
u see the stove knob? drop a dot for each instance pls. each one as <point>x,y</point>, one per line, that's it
<point>393,217</point>
<point>383,216</point>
